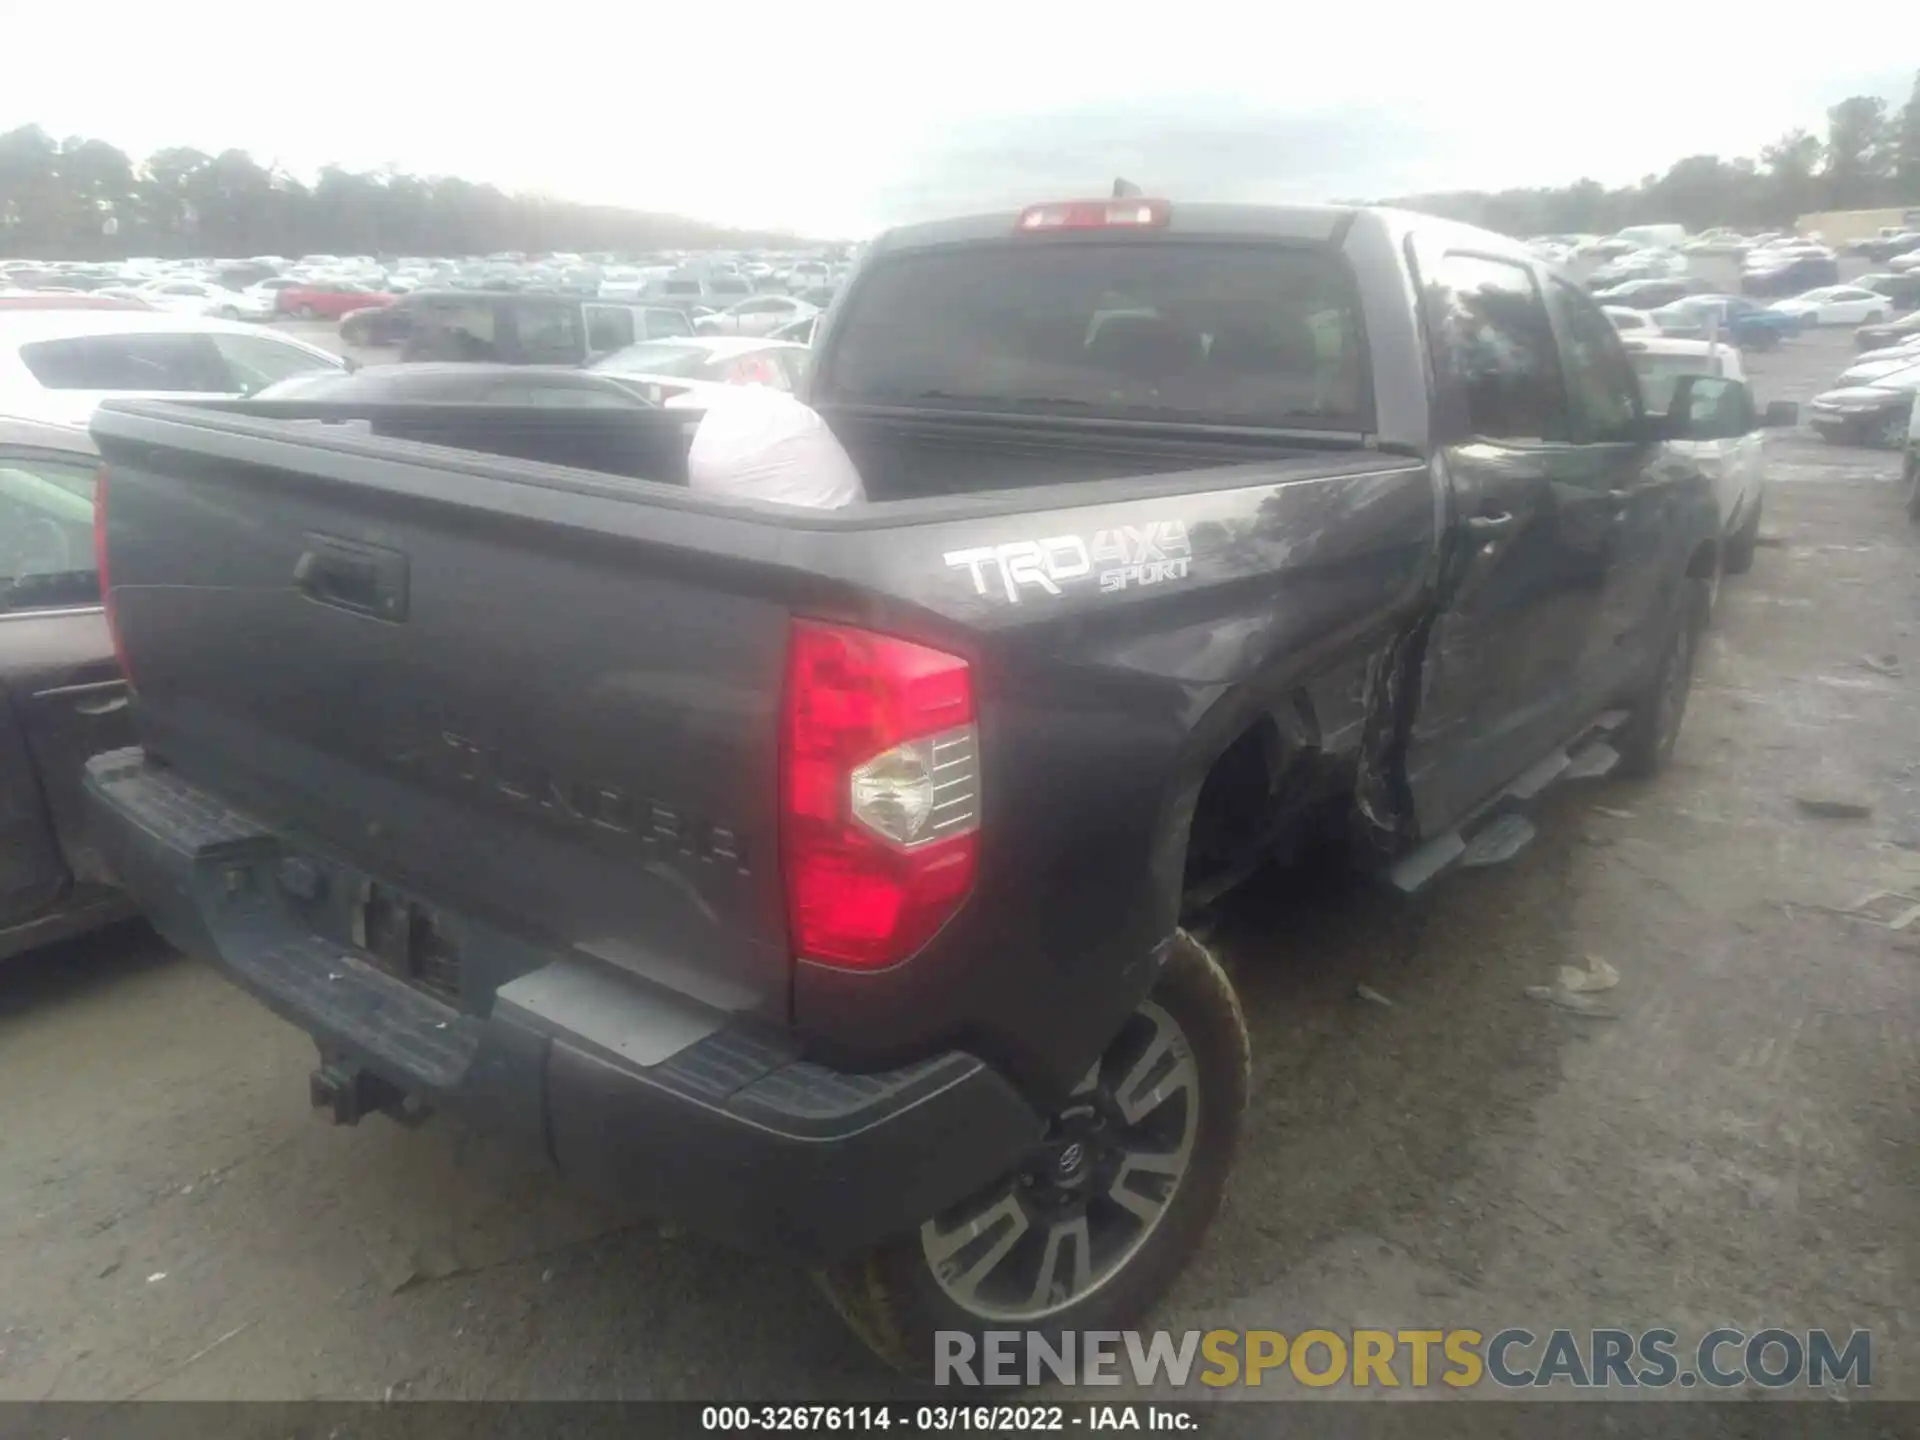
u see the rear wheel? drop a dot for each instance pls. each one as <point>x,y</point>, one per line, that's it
<point>227,312</point>
<point>1093,1226</point>
<point>1646,741</point>
<point>307,312</point>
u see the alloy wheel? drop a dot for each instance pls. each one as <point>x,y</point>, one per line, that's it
<point>1097,1186</point>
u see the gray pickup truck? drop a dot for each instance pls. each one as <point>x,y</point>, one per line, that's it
<point>818,878</point>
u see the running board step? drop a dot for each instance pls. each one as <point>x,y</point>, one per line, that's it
<point>1538,777</point>
<point>1496,834</point>
<point>1596,760</point>
<point>1499,842</point>
<point>1416,868</point>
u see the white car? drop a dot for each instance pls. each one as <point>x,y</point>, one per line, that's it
<point>1904,350</point>
<point>201,297</point>
<point>1629,321</point>
<point>683,373</point>
<point>757,315</point>
<point>1837,305</point>
<point>806,274</point>
<point>1870,367</point>
<point>58,365</point>
<point>1737,466</point>
<point>1905,264</point>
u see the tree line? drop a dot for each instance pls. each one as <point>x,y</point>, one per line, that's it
<point>82,199</point>
<point>1869,158</point>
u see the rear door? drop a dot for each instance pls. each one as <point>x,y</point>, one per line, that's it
<point>1529,548</point>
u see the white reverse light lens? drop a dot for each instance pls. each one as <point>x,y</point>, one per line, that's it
<point>921,790</point>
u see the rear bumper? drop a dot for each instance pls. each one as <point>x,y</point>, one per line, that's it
<point>639,1092</point>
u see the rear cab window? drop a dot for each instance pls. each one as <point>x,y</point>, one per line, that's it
<point>1263,333</point>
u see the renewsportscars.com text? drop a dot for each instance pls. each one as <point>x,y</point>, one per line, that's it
<point>1512,1358</point>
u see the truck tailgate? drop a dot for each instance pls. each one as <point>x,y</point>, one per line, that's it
<point>544,705</point>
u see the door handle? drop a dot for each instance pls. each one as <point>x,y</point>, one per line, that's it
<point>1485,527</point>
<point>349,575</point>
<point>1619,497</point>
<point>100,704</point>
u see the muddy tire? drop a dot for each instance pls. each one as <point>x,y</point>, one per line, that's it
<point>1913,488</point>
<point>1737,558</point>
<point>1646,741</point>
<point>1048,1247</point>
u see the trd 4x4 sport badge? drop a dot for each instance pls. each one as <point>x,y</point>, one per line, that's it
<point>1122,559</point>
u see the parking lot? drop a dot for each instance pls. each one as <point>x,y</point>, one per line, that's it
<point>1732,1142</point>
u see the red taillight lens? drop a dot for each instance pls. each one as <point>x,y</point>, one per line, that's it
<point>100,568</point>
<point>1118,214</point>
<point>880,794</point>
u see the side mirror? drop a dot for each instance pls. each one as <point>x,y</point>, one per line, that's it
<point>349,363</point>
<point>1780,415</point>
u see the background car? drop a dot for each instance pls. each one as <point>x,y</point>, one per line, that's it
<point>1650,294</point>
<point>62,697</point>
<point>1629,321</point>
<point>1871,366</point>
<point>58,365</point>
<point>78,300</point>
<point>1902,290</point>
<point>1873,337</point>
<point>684,373</point>
<point>329,299</point>
<point>1837,305</point>
<point>1788,270</point>
<point>756,315</point>
<point>1879,414</point>
<point>1885,247</point>
<point>801,331</point>
<point>1905,264</point>
<point>1734,318</point>
<point>199,297</point>
<point>1735,462</point>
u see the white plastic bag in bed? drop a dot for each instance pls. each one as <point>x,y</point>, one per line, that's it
<point>762,444</point>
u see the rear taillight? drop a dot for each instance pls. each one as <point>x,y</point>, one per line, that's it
<point>1118,214</point>
<point>100,568</point>
<point>880,794</point>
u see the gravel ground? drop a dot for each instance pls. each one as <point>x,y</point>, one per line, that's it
<point>1737,1147</point>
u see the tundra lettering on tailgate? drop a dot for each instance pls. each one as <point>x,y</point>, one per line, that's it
<point>571,801</point>
<point>1119,559</point>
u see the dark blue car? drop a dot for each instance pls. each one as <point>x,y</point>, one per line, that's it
<point>1733,317</point>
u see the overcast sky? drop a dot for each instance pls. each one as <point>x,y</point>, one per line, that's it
<point>831,117</point>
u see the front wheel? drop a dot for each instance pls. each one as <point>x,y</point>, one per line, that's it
<point>1892,433</point>
<point>307,312</point>
<point>1094,1225</point>
<point>1737,558</point>
<point>1646,741</point>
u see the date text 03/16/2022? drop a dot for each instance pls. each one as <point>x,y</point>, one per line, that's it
<point>943,1419</point>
